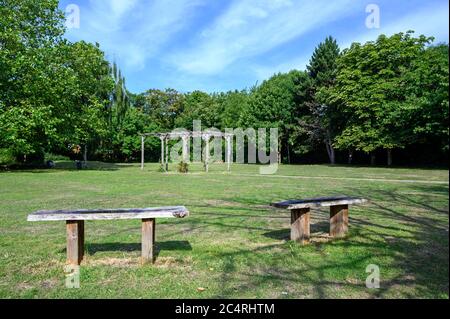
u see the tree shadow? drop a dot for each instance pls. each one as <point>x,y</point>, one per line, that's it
<point>408,232</point>
<point>281,234</point>
<point>172,245</point>
<point>66,166</point>
<point>284,234</point>
<point>392,167</point>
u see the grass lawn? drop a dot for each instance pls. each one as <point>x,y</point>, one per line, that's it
<point>234,244</point>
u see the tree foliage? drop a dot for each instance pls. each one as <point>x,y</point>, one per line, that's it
<point>52,92</point>
<point>381,92</point>
<point>318,118</point>
<point>385,94</point>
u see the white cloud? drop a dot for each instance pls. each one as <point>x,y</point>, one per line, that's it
<point>133,31</point>
<point>253,27</point>
<point>119,7</point>
<point>432,21</point>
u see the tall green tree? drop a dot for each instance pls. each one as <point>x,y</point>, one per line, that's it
<point>371,89</point>
<point>426,93</point>
<point>91,90</point>
<point>271,105</point>
<point>52,92</point>
<point>320,122</point>
<point>116,115</point>
<point>126,141</point>
<point>163,107</point>
<point>119,99</point>
<point>232,104</point>
<point>200,106</point>
<point>29,34</point>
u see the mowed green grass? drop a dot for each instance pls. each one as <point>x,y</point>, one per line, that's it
<point>234,245</point>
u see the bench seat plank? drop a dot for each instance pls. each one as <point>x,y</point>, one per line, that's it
<point>99,214</point>
<point>319,202</point>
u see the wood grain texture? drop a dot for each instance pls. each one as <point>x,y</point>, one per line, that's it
<point>75,240</point>
<point>80,240</point>
<point>338,220</point>
<point>300,225</point>
<point>148,240</point>
<point>99,214</point>
<point>320,202</point>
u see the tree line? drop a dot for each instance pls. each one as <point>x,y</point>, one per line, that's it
<point>380,98</point>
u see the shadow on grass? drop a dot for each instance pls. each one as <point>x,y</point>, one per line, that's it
<point>93,248</point>
<point>282,234</point>
<point>406,233</point>
<point>68,166</point>
<point>393,167</point>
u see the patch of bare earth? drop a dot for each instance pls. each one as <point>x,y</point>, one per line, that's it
<point>114,262</point>
<point>160,262</point>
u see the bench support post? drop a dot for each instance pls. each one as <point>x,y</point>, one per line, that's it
<point>75,241</point>
<point>338,220</point>
<point>148,240</point>
<point>300,225</point>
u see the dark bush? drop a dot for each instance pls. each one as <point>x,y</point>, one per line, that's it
<point>183,167</point>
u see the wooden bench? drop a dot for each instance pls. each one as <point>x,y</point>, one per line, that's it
<point>75,225</point>
<point>300,214</point>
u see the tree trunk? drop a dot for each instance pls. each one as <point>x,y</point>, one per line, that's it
<point>330,148</point>
<point>389,157</point>
<point>85,154</point>
<point>330,151</point>
<point>350,157</point>
<point>372,159</point>
<point>279,152</point>
<point>288,153</point>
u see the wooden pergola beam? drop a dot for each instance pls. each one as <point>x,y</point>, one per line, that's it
<point>205,135</point>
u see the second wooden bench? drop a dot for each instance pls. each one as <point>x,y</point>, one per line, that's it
<point>300,214</point>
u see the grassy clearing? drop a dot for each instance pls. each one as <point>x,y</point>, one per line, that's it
<point>233,244</point>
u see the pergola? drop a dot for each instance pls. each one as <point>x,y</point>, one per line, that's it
<point>185,136</point>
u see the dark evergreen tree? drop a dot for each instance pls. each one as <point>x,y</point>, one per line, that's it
<point>318,119</point>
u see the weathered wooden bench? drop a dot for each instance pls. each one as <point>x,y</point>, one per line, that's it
<point>300,214</point>
<point>75,225</point>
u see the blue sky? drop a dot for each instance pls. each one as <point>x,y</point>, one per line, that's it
<point>219,45</point>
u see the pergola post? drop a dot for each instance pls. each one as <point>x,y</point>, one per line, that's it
<point>207,153</point>
<point>186,135</point>
<point>142,151</point>
<point>162,150</point>
<point>167,153</point>
<point>185,146</point>
<point>228,139</point>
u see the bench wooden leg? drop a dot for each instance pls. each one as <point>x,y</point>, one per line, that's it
<point>75,241</point>
<point>300,225</point>
<point>338,220</point>
<point>148,240</point>
<point>81,239</point>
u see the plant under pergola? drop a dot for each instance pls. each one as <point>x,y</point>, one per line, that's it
<point>185,136</point>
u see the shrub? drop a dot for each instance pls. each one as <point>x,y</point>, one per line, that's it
<point>183,167</point>
<point>6,157</point>
<point>55,157</point>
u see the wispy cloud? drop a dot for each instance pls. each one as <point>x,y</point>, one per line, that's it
<point>133,31</point>
<point>430,21</point>
<point>231,44</point>
<point>253,27</point>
